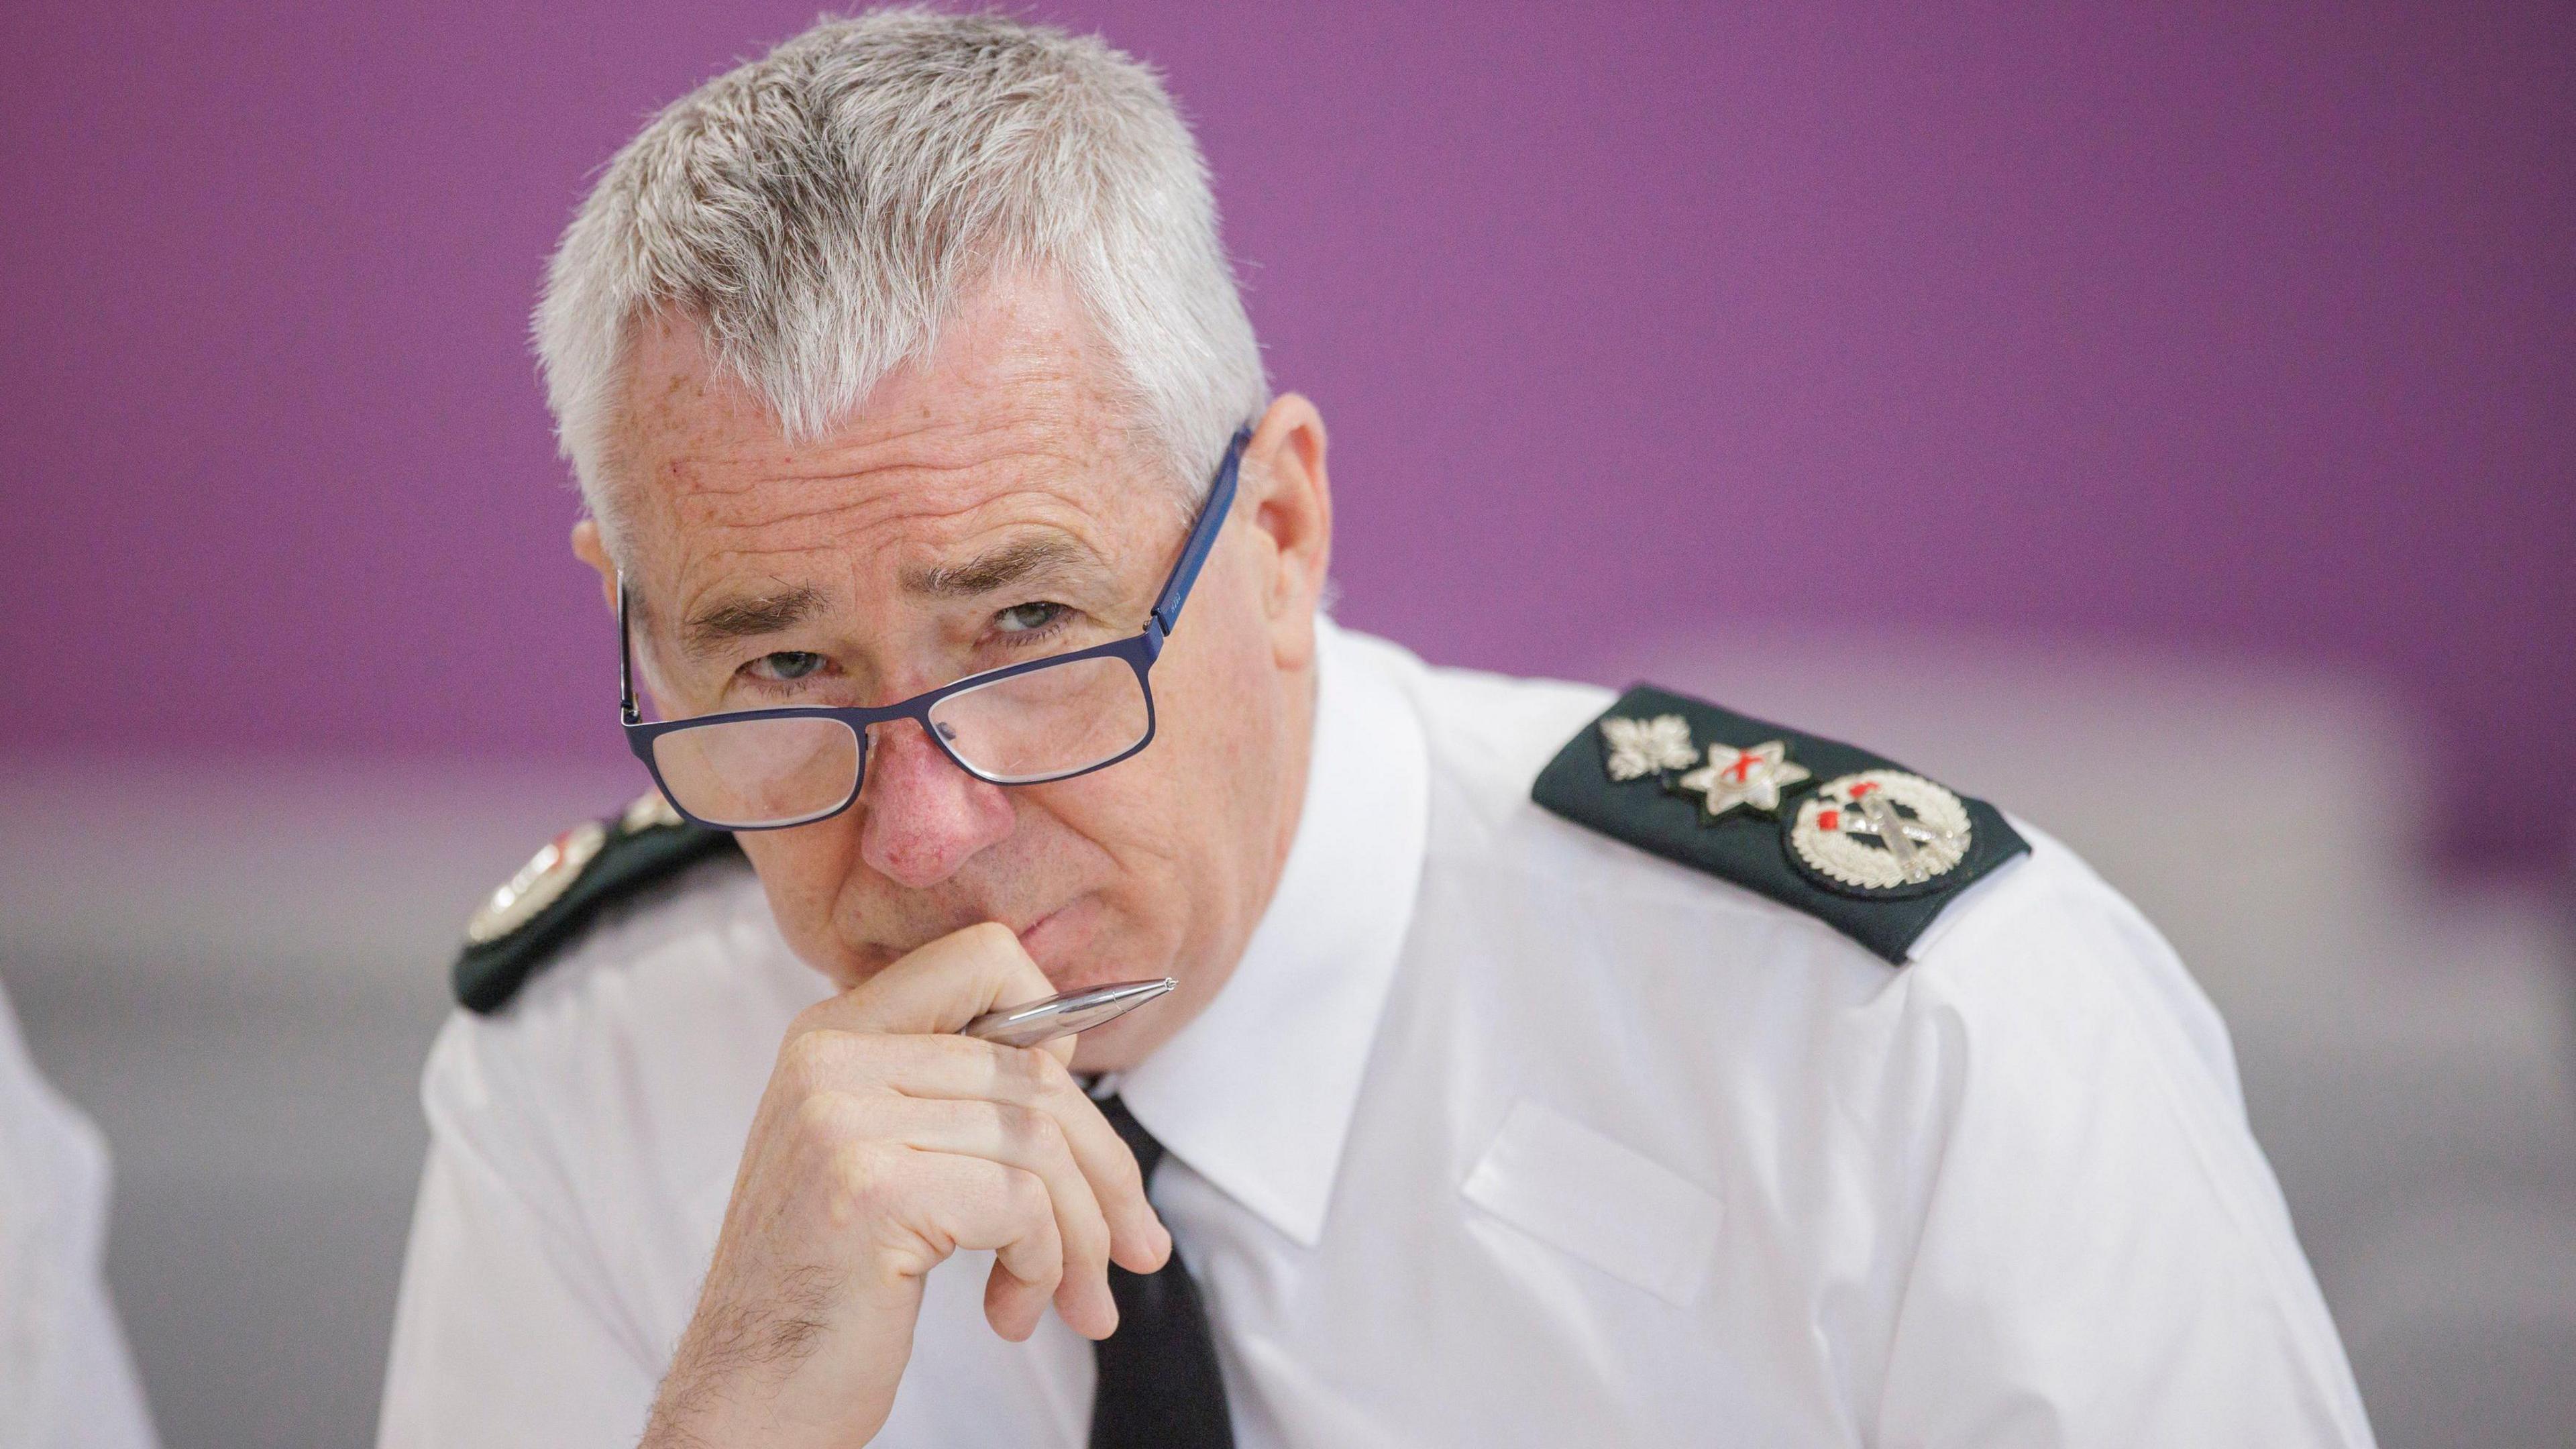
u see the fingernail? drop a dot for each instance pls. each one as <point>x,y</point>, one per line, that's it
<point>1104,1310</point>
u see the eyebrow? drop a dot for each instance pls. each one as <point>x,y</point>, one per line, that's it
<point>709,629</point>
<point>1000,568</point>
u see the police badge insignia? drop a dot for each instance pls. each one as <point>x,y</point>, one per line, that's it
<point>565,886</point>
<point>1881,830</point>
<point>1875,852</point>
<point>538,884</point>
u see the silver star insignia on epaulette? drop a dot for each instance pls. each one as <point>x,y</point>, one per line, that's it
<point>1749,779</point>
<point>1642,747</point>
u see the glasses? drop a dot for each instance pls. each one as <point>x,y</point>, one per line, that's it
<point>1023,724</point>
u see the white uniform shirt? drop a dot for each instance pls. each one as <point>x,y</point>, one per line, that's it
<point>66,1380</point>
<point>1502,1133</point>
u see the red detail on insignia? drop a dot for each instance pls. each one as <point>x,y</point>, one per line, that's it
<point>1742,767</point>
<point>1863,788</point>
<point>1829,820</point>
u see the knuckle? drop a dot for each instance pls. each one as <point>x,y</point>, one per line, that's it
<point>953,1057</point>
<point>866,1184</point>
<point>830,1120</point>
<point>1026,1196</point>
<point>1087,1236</point>
<point>1031,1132</point>
<point>809,1059</point>
<point>1046,1074</point>
<point>1008,1075</point>
<point>1125,1177</point>
<point>948,1047</point>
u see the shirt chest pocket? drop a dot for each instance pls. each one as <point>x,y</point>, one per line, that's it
<point>1597,1201</point>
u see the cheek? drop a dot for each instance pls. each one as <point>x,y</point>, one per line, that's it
<point>1219,706</point>
<point>1166,819</point>
<point>801,871</point>
<point>1127,818</point>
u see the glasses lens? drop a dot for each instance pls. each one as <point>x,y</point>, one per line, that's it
<point>1048,722</point>
<point>760,771</point>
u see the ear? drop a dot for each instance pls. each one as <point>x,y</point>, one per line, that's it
<point>1291,512</point>
<point>587,547</point>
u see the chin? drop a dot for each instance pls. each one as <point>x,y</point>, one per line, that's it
<point>845,977</point>
<point>1122,1043</point>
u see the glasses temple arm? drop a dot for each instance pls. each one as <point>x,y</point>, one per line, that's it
<point>1202,540</point>
<point>625,659</point>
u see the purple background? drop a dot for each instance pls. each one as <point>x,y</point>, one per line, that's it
<point>2178,330</point>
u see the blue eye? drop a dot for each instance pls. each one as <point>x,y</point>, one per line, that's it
<point>786,665</point>
<point>1029,618</point>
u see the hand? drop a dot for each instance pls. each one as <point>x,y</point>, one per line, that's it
<point>881,1146</point>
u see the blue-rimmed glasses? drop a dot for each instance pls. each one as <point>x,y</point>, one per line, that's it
<point>1023,724</point>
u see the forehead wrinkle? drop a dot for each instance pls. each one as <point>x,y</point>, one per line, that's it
<point>920,483</point>
<point>1031,444</point>
<point>715,498</point>
<point>900,537</point>
<point>918,523</point>
<point>1035,414</point>
<point>1017,382</point>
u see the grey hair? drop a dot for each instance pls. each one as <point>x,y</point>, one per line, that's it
<point>821,212</point>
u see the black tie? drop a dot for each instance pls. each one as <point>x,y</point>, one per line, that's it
<point>1159,1385</point>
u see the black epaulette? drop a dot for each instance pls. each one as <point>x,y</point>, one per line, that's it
<point>1863,844</point>
<point>564,887</point>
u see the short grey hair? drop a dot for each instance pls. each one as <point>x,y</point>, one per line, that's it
<point>821,212</point>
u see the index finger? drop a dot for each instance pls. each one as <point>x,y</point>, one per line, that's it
<point>938,987</point>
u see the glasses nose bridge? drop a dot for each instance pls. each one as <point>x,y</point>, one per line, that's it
<point>917,713</point>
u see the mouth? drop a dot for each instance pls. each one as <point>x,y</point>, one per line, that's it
<point>1058,942</point>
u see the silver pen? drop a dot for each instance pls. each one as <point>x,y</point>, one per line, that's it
<point>1032,1022</point>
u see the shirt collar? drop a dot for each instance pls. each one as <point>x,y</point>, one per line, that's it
<point>1256,1094</point>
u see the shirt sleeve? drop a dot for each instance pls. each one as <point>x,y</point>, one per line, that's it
<point>504,1334</point>
<point>2103,1255</point>
<point>66,1379</point>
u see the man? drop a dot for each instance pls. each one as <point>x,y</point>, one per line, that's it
<point>1542,1068</point>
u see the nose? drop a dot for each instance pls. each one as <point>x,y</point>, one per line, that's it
<point>921,816</point>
